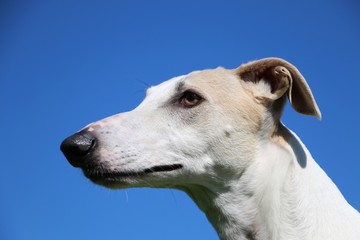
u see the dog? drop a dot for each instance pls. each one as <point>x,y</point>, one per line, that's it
<point>216,134</point>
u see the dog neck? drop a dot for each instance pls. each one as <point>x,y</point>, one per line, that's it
<point>283,194</point>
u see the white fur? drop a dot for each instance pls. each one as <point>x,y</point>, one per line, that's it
<point>251,176</point>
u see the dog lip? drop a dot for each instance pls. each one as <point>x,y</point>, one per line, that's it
<point>94,174</point>
<point>163,168</point>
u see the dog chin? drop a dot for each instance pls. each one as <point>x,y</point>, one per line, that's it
<point>125,179</point>
<point>111,179</point>
<point>116,184</point>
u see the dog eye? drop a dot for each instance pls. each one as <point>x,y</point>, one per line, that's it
<point>190,99</point>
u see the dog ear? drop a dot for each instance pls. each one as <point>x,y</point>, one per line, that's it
<point>282,77</point>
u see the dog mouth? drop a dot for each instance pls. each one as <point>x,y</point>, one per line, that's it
<point>99,175</point>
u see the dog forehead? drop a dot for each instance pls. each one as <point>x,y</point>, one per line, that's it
<point>201,77</point>
<point>212,77</point>
<point>165,86</point>
<point>211,83</point>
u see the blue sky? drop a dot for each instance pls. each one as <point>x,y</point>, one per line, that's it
<point>64,64</point>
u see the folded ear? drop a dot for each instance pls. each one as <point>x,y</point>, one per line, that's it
<point>281,77</point>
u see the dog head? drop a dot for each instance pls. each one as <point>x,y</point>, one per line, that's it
<point>202,128</point>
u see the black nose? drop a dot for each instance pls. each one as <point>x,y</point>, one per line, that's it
<point>77,147</point>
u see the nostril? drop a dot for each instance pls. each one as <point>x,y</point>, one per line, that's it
<point>77,146</point>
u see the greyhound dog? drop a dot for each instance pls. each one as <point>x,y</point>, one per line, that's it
<point>217,135</point>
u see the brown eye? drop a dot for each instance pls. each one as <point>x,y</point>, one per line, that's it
<point>190,99</point>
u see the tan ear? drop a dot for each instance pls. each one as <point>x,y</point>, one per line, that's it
<point>283,78</point>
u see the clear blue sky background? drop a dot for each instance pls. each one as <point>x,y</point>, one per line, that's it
<point>64,64</point>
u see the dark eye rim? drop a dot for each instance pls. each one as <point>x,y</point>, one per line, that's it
<point>199,99</point>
